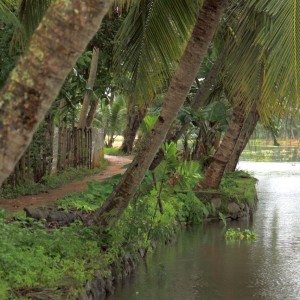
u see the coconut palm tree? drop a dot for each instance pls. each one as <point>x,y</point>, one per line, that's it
<point>203,32</point>
<point>244,137</point>
<point>262,71</point>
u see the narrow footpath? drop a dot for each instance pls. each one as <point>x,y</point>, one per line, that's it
<point>116,166</point>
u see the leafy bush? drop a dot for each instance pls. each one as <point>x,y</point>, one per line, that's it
<point>32,258</point>
<point>239,187</point>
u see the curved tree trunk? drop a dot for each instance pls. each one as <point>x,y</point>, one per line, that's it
<point>200,100</point>
<point>180,85</point>
<point>216,169</point>
<point>89,93</point>
<point>36,81</point>
<point>248,128</point>
<point>135,116</point>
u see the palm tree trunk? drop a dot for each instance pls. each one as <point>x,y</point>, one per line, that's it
<point>90,85</point>
<point>247,131</point>
<point>135,116</point>
<point>200,100</point>
<point>196,49</point>
<point>92,112</point>
<point>37,79</point>
<point>216,169</point>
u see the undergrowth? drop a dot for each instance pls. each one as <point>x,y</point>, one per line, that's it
<point>58,262</point>
<point>239,187</point>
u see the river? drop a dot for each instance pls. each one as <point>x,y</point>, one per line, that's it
<point>202,265</point>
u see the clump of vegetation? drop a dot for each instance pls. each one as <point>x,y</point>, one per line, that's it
<point>238,234</point>
<point>239,187</point>
<point>32,259</point>
<point>59,261</point>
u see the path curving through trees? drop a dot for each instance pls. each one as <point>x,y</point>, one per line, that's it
<point>116,166</point>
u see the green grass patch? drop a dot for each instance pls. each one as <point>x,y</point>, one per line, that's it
<point>34,260</point>
<point>49,182</point>
<point>113,151</point>
<point>239,187</point>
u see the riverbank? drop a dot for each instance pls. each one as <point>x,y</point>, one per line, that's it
<point>45,258</point>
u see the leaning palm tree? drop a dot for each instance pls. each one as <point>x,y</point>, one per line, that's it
<point>262,71</point>
<point>35,82</point>
<point>203,32</point>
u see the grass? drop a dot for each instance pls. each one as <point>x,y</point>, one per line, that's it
<point>239,187</point>
<point>49,182</point>
<point>113,151</point>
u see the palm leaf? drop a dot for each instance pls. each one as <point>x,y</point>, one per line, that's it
<point>7,12</point>
<point>268,33</point>
<point>150,43</point>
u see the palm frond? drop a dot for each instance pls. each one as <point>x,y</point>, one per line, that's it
<point>150,43</point>
<point>266,32</point>
<point>8,10</point>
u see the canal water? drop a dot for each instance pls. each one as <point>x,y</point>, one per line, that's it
<point>202,265</point>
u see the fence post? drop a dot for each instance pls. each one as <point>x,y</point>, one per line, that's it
<point>55,150</point>
<point>97,147</point>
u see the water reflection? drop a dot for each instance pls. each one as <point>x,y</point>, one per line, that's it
<point>203,266</point>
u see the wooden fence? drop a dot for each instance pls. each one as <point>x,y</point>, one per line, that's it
<point>62,149</point>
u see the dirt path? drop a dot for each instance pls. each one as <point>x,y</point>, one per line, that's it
<point>116,166</point>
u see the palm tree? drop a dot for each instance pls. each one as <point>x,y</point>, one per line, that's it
<point>36,81</point>
<point>203,32</point>
<point>266,31</point>
<point>200,100</point>
<point>247,130</point>
<point>82,123</point>
<point>135,116</point>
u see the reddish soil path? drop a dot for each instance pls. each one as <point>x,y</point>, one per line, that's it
<point>116,166</point>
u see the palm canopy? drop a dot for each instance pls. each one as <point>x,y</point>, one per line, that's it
<point>263,62</point>
<point>151,41</point>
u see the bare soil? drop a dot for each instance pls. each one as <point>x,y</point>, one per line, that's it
<point>116,166</point>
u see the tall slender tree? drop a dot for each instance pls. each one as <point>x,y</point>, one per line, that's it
<point>199,101</point>
<point>135,116</point>
<point>206,24</point>
<point>247,130</point>
<point>82,123</point>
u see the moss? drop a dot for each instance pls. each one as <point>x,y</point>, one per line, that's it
<point>22,77</point>
<point>37,52</point>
